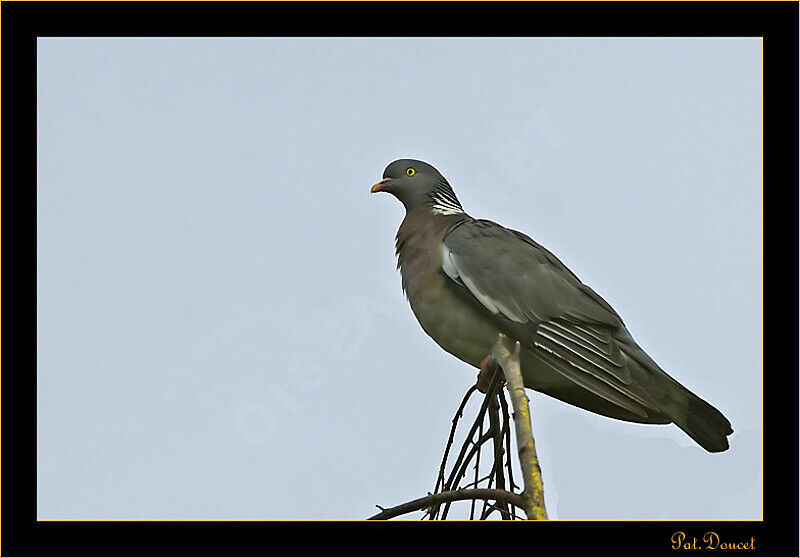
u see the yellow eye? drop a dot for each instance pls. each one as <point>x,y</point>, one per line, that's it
<point>410,171</point>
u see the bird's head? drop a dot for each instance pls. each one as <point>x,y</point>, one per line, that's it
<point>416,183</point>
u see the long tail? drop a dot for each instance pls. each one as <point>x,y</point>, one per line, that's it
<point>700,420</point>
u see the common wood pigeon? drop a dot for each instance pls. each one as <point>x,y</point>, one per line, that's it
<point>469,279</point>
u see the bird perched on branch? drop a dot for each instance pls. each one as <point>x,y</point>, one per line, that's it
<point>469,279</point>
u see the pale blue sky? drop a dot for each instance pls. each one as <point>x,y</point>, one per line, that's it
<point>222,333</point>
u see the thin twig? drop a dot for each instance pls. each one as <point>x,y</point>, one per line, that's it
<point>480,480</point>
<point>477,471</point>
<point>458,415</point>
<point>497,444</point>
<point>486,502</point>
<point>491,508</point>
<point>495,497</point>
<point>507,443</point>
<point>460,466</point>
<point>475,425</point>
<point>451,496</point>
<point>459,473</point>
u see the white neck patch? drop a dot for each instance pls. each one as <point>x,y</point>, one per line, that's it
<point>443,204</point>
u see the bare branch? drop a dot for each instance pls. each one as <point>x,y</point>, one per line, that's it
<point>497,444</point>
<point>459,413</point>
<point>469,448</point>
<point>451,496</point>
<point>493,422</point>
<point>533,494</point>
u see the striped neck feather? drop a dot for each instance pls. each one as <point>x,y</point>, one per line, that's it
<point>443,201</point>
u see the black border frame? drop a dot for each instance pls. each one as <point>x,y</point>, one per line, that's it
<point>23,22</point>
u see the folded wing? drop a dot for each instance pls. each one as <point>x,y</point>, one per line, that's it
<point>527,289</point>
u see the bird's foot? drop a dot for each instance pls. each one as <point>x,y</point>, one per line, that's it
<point>485,375</point>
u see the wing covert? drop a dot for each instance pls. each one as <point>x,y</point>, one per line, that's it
<point>511,274</point>
<point>572,327</point>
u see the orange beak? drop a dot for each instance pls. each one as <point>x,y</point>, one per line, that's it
<point>380,185</point>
